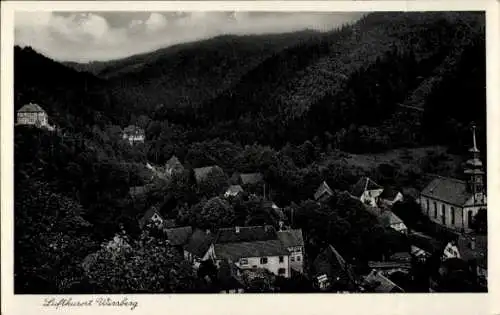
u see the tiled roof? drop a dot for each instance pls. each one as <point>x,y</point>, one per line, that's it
<point>170,223</point>
<point>31,108</point>
<point>246,234</point>
<point>400,256</point>
<point>449,190</point>
<point>364,184</point>
<point>201,173</point>
<point>388,218</point>
<point>426,243</point>
<point>235,251</point>
<point>179,236</point>
<point>480,251</point>
<point>331,263</point>
<point>251,178</point>
<point>173,161</point>
<point>381,284</point>
<point>389,264</point>
<point>199,243</point>
<point>389,193</point>
<point>291,238</point>
<point>322,189</point>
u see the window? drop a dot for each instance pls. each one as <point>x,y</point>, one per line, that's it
<point>443,214</point>
<point>281,259</point>
<point>243,261</point>
<point>292,258</point>
<point>435,210</point>
<point>281,271</point>
<point>452,216</point>
<point>469,218</point>
<point>298,258</point>
<point>263,260</point>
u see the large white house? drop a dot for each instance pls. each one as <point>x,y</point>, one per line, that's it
<point>452,202</point>
<point>33,114</point>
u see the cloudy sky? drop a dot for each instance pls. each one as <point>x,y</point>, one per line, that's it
<point>82,37</point>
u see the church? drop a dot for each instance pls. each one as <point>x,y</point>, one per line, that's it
<point>453,203</point>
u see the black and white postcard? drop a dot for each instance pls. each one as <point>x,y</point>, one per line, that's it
<point>230,153</point>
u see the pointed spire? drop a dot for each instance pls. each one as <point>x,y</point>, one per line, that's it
<point>474,148</point>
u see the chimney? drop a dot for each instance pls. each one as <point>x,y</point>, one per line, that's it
<point>237,229</point>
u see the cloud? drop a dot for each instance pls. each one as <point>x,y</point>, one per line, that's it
<point>110,35</point>
<point>156,22</point>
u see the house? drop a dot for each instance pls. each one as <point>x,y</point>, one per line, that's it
<point>376,282</point>
<point>252,247</point>
<point>294,242</point>
<point>233,191</point>
<point>389,197</point>
<point>201,173</point>
<point>473,249</point>
<point>323,193</point>
<point>388,219</point>
<point>423,246</point>
<point>151,216</point>
<point>134,134</point>
<point>453,203</point>
<point>332,273</point>
<point>33,114</point>
<point>366,191</point>
<point>197,247</point>
<point>173,166</point>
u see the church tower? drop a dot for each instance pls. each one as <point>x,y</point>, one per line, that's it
<point>474,169</point>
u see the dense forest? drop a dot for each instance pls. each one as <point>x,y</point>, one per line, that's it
<point>294,107</point>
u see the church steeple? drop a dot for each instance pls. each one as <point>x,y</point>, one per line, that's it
<point>474,168</point>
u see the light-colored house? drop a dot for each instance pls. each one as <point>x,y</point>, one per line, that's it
<point>254,247</point>
<point>151,216</point>
<point>33,114</point>
<point>454,203</point>
<point>323,193</point>
<point>233,191</point>
<point>173,166</point>
<point>388,219</point>
<point>367,191</point>
<point>134,134</point>
<point>294,243</point>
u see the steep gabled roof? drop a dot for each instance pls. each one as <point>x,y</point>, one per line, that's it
<point>449,190</point>
<point>30,108</point>
<point>245,234</point>
<point>322,189</point>
<point>364,184</point>
<point>199,243</point>
<point>251,178</point>
<point>388,218</point>
<point>179,236</point>
<point>331,263</point>
<point>291,238</point>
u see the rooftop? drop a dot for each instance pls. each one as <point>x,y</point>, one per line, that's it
<point>235,251</point>
<point>179,235</point>
<point>364,184</point>
<point>291,238</point>
<point>201,173</point>
<point>199,242</point>
<point>251,178</point>
<point>245,234</point>
<point>322,189</point>
<point>449,190</point>
<point>30,108</point>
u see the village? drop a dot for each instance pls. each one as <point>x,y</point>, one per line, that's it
<point>254,258</point>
